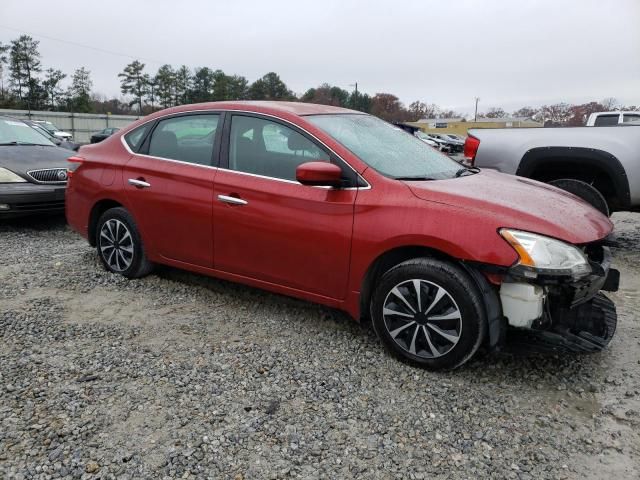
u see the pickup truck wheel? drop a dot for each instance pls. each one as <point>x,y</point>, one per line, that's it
<point>119,244</point>
<point>429,313</point>
<point>585,191</point>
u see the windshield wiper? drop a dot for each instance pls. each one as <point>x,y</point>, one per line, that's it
<point>417,177</point>
<point>467,170</point>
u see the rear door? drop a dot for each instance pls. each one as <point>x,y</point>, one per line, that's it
<point>270,227</point>
<point>170,187</point>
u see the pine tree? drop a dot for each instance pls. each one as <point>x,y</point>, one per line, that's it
<point>51,86</point>
<point>133,82</point>
<point>165,81</point>
<point>80,91</point>
<point>202,88</point>
<point>182,85</point>
<point>24,65</point>
<point>4,60</point>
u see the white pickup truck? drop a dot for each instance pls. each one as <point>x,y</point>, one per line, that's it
<point>600,165</point>
<point>609,119</point>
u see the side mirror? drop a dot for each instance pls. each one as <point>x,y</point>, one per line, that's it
<point>322,174</point>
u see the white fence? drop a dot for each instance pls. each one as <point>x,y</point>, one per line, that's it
<point>80,125</point>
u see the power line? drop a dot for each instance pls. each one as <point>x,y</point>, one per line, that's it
<point>81,45</point>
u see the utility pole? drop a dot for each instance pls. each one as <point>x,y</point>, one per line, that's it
<point>475,116</point>
<point>355,96</point>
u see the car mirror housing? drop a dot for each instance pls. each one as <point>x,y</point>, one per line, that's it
<point>323,174</point>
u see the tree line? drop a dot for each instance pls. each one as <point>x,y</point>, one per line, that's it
<point>25,84</point>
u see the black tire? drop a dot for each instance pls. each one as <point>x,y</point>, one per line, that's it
<point>585,191</point>
<point>127,257</point>
<point>420,341</point>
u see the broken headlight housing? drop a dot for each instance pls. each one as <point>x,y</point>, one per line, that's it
<point>540,255</point>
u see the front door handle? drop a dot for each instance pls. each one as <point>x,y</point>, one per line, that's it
<point>139,183</point>
<point>232,200</point>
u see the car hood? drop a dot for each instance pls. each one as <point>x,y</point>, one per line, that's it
<point>22,158</point>
<point>519,203</point>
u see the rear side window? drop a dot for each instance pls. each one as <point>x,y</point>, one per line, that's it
<point>606,120</point>
<point>135,137</point>
<point>187,138</point>
<point>630,118</point>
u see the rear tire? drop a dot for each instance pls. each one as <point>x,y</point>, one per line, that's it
<point>585,191</point>
<point>119,244</point>
<point>429,313</point>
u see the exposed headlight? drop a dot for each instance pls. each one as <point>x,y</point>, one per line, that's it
<point>546,256</point>
<point>7,176</point>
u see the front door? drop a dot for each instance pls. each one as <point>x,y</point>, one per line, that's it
<point>270,227</point>
<point>170,188</point>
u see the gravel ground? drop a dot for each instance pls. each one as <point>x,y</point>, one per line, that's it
<point>178,375</point>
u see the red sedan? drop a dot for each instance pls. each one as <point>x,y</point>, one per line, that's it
<point>343,209</point>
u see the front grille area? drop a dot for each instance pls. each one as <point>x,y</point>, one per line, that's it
<point>39,206</point>
<point>49,175</point>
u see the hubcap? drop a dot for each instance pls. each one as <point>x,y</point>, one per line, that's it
<point>116,245</point>
<point>422,318</point>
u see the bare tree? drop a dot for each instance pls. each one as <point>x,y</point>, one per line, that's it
<point>494,113</point>
<point>610,104</point>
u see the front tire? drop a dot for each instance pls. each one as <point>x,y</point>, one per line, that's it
<point>585,191</point>
<point>119,244</point>
<point>429,313</point>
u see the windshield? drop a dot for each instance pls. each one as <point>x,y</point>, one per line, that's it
<point>385,148</point>
<point>423,136</point>
<point>14,131</point>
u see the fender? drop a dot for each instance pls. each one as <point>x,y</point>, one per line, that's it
<point>579,156</point>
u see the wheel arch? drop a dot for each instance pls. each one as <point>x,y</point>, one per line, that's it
<point>396,255</point>
<point>595,166</point>
<point>96,211</point>
<point>383,262</point>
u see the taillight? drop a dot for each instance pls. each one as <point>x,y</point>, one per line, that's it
<point>72,168</point>
<point>471,145</point>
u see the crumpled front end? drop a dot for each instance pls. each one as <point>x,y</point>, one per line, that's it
<point>555,313</point>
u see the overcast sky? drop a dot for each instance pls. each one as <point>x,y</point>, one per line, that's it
<point>509,53</point>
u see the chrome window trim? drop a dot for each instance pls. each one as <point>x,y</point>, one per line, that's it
<point>126,146</point>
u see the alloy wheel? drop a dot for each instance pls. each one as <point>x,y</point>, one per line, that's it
<point>422,318</point>
<point>116,245</point>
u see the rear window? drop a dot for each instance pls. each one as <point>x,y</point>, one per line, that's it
<point>136,136</point>
<point>630,117</point>
<point>606,120</point>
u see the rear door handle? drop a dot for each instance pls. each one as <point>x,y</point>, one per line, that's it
<point>139,183</point>
<point>232,200</point>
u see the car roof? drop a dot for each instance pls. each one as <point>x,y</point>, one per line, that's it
<point>273,107</point>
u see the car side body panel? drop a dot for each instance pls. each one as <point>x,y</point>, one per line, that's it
<point>180,229</point>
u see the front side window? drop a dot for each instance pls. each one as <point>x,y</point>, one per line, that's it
<point>386,148</point>
<point>267,148</point>
<point>187,138</point>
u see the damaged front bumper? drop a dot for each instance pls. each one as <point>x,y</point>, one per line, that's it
<point>563,314</point>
